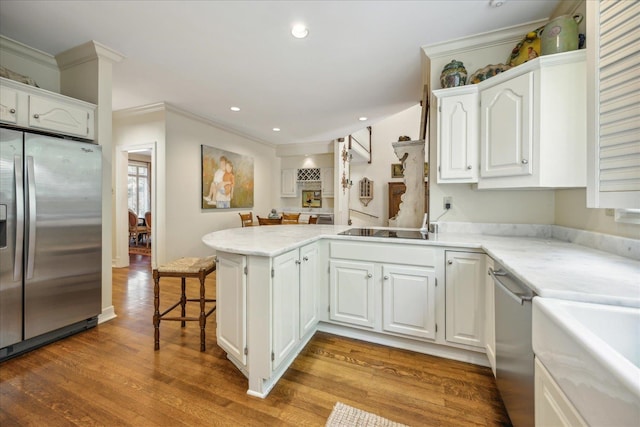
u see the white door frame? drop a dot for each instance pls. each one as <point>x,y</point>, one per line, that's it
<point>120,217</point>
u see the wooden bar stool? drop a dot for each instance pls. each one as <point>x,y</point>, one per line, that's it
<point>184,267</point>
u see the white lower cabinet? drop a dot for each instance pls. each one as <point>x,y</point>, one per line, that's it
<point>286,305</point>
<point>231,288</point>
<point>409,306</point>
<point>465,299</point>
<point>490,315</point>
<point>552,406</point>
<point>352,298</point>
<point>309,284</point>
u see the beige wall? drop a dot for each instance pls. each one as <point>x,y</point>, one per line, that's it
<point>383,133</point>
<point>186,222</point>
<point>571,211</point>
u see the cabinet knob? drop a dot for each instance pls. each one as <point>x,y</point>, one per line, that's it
<point>386,277</point>
<point>12,111</point>
<point>469,167</point>
<point>36,116</point>
<point>297,261</point>
<point>305,259</point>
<point>525,161</point>
<point>449,262</point>
<point>369,276</point>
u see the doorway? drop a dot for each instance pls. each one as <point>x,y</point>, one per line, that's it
<point>135,165</point>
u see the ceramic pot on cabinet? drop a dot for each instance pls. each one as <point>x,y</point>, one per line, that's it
<point>453,74</point>
<point>560,34</point>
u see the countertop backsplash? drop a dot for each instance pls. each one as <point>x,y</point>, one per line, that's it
<point>622,246</point>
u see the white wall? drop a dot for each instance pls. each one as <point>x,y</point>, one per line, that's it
<point>186,222</point>
<point>135,129</point>
<point>383,133</point>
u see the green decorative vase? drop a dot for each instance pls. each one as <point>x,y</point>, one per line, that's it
<point>560,34</point>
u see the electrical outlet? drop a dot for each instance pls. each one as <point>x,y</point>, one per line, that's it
<point>447,202</point>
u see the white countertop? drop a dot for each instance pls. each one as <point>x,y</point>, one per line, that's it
<point>552,268</point>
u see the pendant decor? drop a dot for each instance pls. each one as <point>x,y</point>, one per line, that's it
<point>365,191</point>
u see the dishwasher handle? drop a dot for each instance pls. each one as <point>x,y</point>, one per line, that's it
<point>520,298</point>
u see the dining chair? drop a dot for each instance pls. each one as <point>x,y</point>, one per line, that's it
<point>269,221</point>
<point>147,220</point>
<point>290,218</point>
<point>246,219</point>
<point>135,231</point>
<point>313,219</point>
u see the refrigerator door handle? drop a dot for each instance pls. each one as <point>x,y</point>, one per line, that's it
<point>31,252</point>
<point>19,240</point>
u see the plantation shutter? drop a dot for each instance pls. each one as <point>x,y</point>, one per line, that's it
<point>615,90</point>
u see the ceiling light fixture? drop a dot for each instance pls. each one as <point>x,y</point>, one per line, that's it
<point>234,108</point>
<point>299,31</point>
<point>363,119</point>
<point>276,129</point>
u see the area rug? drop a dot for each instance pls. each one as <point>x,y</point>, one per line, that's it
<point>140,250</point>
<point>345,415</point>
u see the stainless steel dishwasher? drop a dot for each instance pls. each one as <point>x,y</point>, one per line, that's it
<point>514,353</point>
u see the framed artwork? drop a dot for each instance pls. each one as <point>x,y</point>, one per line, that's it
<point>227,179</point>
<point>396,170</point>
<point>311,198</point>
<point>424,117</point>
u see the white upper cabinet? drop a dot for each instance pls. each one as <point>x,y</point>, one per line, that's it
<point>613,104</point>
<point>507,128</point>
<point>288,184</point>
<point>326,175</point>
<point>36,108</point>
<point>533,125</point>
<point>457,131</point>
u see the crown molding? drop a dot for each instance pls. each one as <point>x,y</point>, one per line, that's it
<point>141,110</point>
<point>483,40</point>
<point>27,52</point>
<point>86,52</point>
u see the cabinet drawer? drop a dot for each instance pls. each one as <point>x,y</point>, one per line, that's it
<point>60,117</point>
<point>384,252</point>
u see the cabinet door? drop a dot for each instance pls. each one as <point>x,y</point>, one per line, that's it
<point>8,105</point>
<point>552,406</point>
<point>506,128</point>
<point>308,288</point>
<point>490,315</point>
<point>352,298</point>
<point>57,116</point>
<point>458,138</point>
<point>465,298</point>
<point>286,305</point>
<point>288,185</point>
<point>326,174</point>
<point>408,295</point>
<point>231,315</point>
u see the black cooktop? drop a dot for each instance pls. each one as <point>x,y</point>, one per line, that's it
<point>394,234</point>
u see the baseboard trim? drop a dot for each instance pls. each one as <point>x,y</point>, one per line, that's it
<point>108,313</point>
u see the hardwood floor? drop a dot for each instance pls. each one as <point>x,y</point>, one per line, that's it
<point>111,376</point>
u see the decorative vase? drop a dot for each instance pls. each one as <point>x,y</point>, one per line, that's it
<point>560,34</point>
<point>453,74</point>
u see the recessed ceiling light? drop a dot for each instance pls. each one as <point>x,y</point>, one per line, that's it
<point>276,129</point>
<point>235,108</point>
<point>363,119</point>
<point>299,31</point>
<point>496,3</point>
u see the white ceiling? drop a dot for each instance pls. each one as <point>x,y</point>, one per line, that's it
<point>361,58</point>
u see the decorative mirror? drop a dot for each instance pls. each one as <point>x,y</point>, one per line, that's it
<point>365,190</point>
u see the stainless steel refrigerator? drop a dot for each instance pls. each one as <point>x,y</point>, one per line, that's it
<point>50,239</point>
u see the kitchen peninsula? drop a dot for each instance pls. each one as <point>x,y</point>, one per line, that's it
<point>277,285</point>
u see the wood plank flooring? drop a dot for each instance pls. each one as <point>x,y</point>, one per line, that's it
<point>110,376</point>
